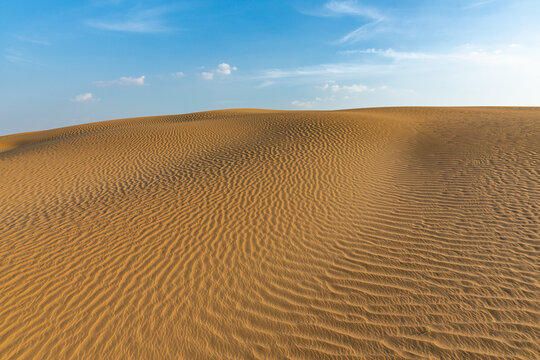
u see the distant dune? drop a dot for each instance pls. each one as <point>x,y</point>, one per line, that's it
<point>407,233</point>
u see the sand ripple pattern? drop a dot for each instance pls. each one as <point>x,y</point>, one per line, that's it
<point>398,233</point>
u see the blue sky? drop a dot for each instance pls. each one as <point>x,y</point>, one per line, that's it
<point>68,62</point>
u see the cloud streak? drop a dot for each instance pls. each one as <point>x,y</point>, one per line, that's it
<point>207,75</point>
<point>16,57</point>
<point>264,84</point>
<point>147,21</point>
<point>303,104</point>
<point>33,40</point>
<point>364,32</point>
<point>85,98</point>
<point>477,4</point>
<point>391,53</point>
<point>402,62</point>
<point>355,88</point>
<point>375,20</point>
<point>335,8</point>
<point>466,53</point>
<point>334,69</point>
<point>124,80</point>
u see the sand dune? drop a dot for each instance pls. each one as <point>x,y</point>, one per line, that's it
<point>407,233</point>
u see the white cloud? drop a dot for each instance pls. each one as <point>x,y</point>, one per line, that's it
<point>15,56</point>
<point>391,53</point>
<point>207,75</point>
<point>318,101</point>
<point>465,53</point>
<point>222,69</point>
<point>355,88</point>
<point>225,69</point>
<point>105,2</point>
<point>352,8</point>
<point>335,69</point>
<point>506,55</point>
<point>466,75</point>
<point>85,98</point>
<point>139,21</point>
<point>331,87</point>
<point>33,40</point>
<point>16,59</point>
<point>124,80</point>
<point>179,74</point>
<point>477,4</point>
<point>503,58</point>
<point>264,84</point>
<point>336,8</point>
<point>303,104</point>
<point>128,26</point>
<point>375,24</point>
<point>363,32</point>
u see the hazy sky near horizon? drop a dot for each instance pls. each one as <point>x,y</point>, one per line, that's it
<point>69,62</point>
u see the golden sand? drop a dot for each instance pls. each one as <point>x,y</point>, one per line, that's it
<point>379,233</point>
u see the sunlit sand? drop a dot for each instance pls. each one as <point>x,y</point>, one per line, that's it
<point>377,233</point>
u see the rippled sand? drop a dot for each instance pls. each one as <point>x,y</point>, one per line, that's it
<point>377,233</point>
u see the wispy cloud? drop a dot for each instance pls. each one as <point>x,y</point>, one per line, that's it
<point>85,98</point>
<point>207,75</point>
<point>354,88</point>
<point>334,69</point>
<point>476,4</point>
<point>264,84</point>
<point>335,8</point>
<point>15,56</point>
<point>137,21</point>
<point>124,80</point>
<point>391,53</point>
<point>304,104</point>
<point>375,19</point>
<point>106,2</point>
<point>507,56</point>
<point>466,53</point>
<point>32,40</point>
<point>351,8</point>
<point>178,74</point>
<point>365,31</point>
<point>222,69</point>
<point>16,59</point>
<point>336,95</point>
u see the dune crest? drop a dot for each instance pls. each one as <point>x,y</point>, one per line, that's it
<point>410,233</point>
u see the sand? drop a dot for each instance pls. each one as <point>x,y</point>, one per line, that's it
<point>407,233</point>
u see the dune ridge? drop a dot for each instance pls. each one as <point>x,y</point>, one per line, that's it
<point>407,233</point>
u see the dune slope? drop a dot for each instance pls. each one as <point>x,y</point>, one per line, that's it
<point>378,233</point>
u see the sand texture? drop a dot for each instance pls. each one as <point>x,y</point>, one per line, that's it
<point>406,233</point>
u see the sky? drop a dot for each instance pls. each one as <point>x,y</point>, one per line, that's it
<point>66,62</point>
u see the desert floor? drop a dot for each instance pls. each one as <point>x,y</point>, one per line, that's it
<point>407,233</point>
